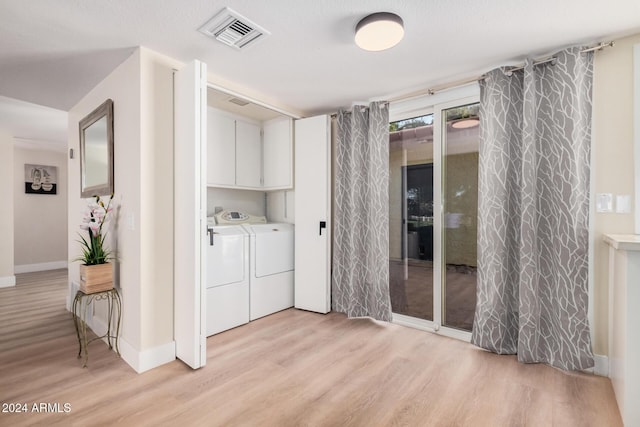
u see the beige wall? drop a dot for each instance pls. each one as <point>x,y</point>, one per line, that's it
<point>6,210</point>
<point>613,168</point>
<point>156,197</point>
<point>40,221</point>
<point>142,92</point>
<point>123,87</point>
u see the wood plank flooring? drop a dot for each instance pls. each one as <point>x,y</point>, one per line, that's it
<point>293,368</point>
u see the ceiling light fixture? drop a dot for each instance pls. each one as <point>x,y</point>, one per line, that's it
<point>379,31</point>
<point>466,123</point>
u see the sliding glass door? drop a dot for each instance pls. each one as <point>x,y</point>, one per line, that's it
<point>460,223</point>
<point>433,200</point>
<point>411,217</point>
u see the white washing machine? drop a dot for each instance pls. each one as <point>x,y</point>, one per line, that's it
<point>227,278</point>
<point>271,268</point>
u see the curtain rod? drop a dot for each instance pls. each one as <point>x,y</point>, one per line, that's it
<point>434,90</point>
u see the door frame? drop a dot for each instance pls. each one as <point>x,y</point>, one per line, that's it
<point>421,106</point>
<point>190,213</point>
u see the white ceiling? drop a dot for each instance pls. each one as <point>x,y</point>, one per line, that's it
<point>54,52</point>
<point>34,126</point>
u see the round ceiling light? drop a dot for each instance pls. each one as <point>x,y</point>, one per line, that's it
<point>466,123</point>
<point>379,31</point>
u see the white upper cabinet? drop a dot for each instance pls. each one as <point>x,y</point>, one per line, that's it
<point>277,158</point>
<point>243,153</point>
<point>221,148</point>
<point>248,154</point>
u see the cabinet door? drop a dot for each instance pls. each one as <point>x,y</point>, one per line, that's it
<point>277,148</point>
<point>313,212</point>
<point>248,154</point>
<point>221,147</point>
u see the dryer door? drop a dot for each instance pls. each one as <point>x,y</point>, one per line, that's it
<point>273,249</point>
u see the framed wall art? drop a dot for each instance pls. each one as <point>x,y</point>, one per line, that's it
<point>40,179</point>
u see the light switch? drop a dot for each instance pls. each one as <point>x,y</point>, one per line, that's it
<point>604,202</point>
<point>623,203</point>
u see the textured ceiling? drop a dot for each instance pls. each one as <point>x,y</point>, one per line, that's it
<point>54,52</point>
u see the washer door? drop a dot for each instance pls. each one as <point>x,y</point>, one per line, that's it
<point>227,257</point>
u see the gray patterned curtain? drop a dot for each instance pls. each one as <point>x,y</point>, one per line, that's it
<point>360,278</point>
<point>533,212</point>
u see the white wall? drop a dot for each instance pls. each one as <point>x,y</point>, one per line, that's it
<point>280,206</point>
<point>40,221</point>
<point>248,201</point>
<point>142,92</point>
<point>7,277</point>
<point>612,163</point>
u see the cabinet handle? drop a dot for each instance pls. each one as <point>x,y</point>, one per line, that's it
<point>210,233</point>
<point>323,224</point>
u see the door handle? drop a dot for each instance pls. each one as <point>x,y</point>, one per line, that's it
<point>323,224</point>
<point>210,233</point>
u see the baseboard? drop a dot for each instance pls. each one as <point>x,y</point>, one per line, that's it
<point>43,266</point>
<point>145,360</point>
<point>601,365</point>
<point>140,361</point>
<point>7,281</point>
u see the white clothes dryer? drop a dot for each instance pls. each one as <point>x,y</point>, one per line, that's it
<point>271,268</point>
<point>227,278</point>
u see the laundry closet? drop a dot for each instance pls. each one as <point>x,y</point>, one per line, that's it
<point>250,212</point>
<point>246,245</point>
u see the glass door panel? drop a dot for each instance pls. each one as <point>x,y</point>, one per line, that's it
<point>461,135</point>
<point>411,216</point>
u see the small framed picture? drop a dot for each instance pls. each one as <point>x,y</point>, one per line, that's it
<point>40,179</point>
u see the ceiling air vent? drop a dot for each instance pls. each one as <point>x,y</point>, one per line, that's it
<point>233,29</point>
<point>238,101</point>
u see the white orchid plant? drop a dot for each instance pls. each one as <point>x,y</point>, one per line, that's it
<point>93,221</point>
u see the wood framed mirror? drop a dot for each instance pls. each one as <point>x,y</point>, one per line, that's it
<point>96,152</point>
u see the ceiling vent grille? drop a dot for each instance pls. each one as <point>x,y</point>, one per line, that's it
<point>233,29</point>
<point>238,101</point>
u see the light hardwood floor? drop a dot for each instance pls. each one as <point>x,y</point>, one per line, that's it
<point>293,368</point>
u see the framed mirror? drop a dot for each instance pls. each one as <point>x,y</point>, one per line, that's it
<point>96,152</point>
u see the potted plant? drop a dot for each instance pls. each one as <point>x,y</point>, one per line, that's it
<point>96,273</point>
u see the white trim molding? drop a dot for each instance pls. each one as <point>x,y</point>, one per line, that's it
<point>145,360</point>
<point>140,361</point>
<point>7,281</point>
<point>601,365</point>
<point>43,266</point>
